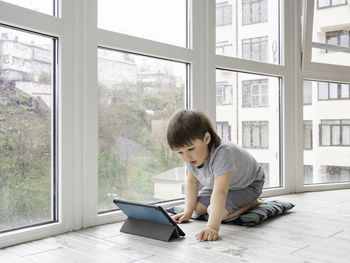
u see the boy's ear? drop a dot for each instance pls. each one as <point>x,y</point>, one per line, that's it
<point>207,138</point>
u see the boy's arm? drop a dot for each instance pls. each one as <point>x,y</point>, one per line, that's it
<point>191,193</point>
<point>218,200</point>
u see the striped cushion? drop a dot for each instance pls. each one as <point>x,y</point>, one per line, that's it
<point>250,218</point>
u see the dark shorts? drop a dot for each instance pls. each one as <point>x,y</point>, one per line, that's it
<point>235,199</point>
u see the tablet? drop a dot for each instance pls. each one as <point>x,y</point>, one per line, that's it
<point>147,212</point>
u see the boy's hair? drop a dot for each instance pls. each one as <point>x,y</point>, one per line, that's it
<point>185,126</point>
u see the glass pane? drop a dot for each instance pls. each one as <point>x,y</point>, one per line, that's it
<point>307,92</point>
<point>252,126</point>
<point>346,135</point>
<point>252,31</point>
<point>159,20</point>
<point>137,96</point>
<point>333,90</point>
<point>345,91</point>
<point>43,6</point>
<point>26,129</point>
<point>322,90</point>
<point>330,151</point>
<point>331,27</point>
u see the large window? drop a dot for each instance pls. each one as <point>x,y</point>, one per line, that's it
<point>326,134</point>
<point>28,178</point>
<point>137,96</point>
<point>252,30</point>
<point>159,20</point>
<point>254,11</point>
<point>252,119</point>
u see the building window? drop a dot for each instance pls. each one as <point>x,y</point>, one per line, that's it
<point>255,93</point>
<point>335,173</point>
<point>308,174</point>
<point>223,93</point>
<point>266,169</point>
<point>333,91</point>
<point>255,134</point>
<point>223,48</point>
<point>307,92</point>
<point>255,49</point>
<point>254,11</point>
<point>335,133</point>
<point>330,3</point>
<point>223,14</point>
<point>223,129</point>
<point>307,135</point>
<point>338,38</point>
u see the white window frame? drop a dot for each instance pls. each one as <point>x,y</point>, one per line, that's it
<point>313,71</point>
<point>67,90</point>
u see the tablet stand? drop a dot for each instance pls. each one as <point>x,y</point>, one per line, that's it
<point>149,229</point>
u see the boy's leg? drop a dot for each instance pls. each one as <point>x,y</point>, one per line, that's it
<point>242,210</point>
<point>200,209</point>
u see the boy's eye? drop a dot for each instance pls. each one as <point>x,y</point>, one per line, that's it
<point>180,152</point>
<point>191,149</point>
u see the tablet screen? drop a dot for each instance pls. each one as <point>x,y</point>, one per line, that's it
<point>143,212</point>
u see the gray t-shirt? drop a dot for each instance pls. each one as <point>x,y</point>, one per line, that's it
<point>228,157</point>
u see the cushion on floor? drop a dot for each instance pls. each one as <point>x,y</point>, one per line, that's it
<point>252,217</point>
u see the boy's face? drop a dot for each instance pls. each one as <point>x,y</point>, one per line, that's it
<point>197,152</point>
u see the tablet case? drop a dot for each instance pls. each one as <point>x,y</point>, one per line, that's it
<point>148,221</point>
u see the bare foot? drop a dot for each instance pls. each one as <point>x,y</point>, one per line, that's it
<point>256,203</point>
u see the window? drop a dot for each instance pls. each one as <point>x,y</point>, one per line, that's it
<point>254,11</point>
<point>223,48</point>
<point>255,93</point>
<point>334,174</point>
<point>338,38</point>
<point>333,91</point>
<point>335,133</point>
<point>307,92</point>
<point>255,49</point>
<point>266,169</point>
<point>252,117</point>
<point>28,172</point>
<point>46,7</point>
<point>137,96</point>
<point>255,134</point>
<point>331,47</point>
<point>308,174</point>
<point>308,135</point>
<point>223,93</point>
<point>329,3</point>
<point>223,129</point>
<point>223,14</point>
<point>159,20</point>
<point>253,30</point>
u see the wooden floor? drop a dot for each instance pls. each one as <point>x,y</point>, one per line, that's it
<point>317,229</point>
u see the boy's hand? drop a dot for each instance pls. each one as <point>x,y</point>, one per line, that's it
<point>181,217</point>
<point>208,233</point>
